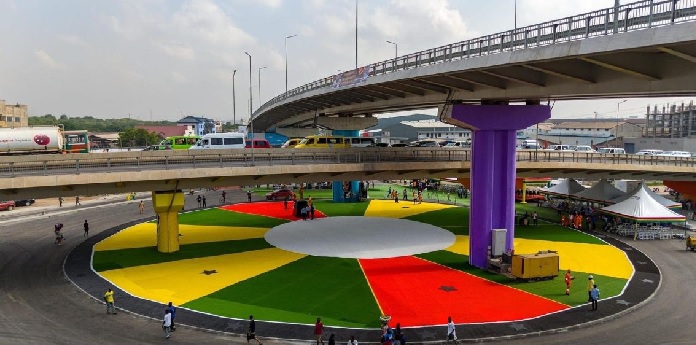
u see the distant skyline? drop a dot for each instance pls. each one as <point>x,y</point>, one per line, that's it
<point>166,59</point>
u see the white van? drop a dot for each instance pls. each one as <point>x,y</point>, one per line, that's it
<point>611,150</point>
<point>649,152</point>
<point>360,141</point>
<point>562,148</point>
<point>220,141</point>
<point>584,149</point>
<point>675,154</point>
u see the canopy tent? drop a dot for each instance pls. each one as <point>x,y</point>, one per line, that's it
<point>641,207</point>
<point>659,198</point>
<point>566,188</point>
<point>602,192</point>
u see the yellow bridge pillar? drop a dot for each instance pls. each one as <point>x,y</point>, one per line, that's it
<point>524,193</point>
<point>167,206</point>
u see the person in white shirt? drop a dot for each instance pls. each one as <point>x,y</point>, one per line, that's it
<point>167,323</point>
<point>451,331</point>
<point>352,341</point>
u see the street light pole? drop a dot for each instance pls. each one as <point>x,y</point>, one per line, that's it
<point>234,101</point>
<point>251,114</point>
<point>260,68</point>
<point>618,111</point>
<point>396,50</point>
<point>286,63</point>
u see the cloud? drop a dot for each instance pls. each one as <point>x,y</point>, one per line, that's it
<point>47,60</point>
<point>208,22</point>
<point>270,3</point>
<point>72,39</point>
<point>177,49</point>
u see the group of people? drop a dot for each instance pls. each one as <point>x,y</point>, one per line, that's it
<point>319,335</point>
<point>592,290</point>
<point>308,210</point>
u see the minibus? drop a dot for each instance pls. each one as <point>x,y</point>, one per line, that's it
<point>220,141</point>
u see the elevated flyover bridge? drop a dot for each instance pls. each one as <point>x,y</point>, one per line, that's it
<point>641,49</point>
<point>103,173</point>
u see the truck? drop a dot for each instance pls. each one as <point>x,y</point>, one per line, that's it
<point>27,140</point>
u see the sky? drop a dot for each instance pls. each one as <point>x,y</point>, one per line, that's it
<point>166,59</point>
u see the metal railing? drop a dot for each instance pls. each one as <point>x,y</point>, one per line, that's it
<point>94,163</point>
<point>628,17</point>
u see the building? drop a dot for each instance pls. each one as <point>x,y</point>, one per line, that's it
<point>428,129</point>
<point>671,122</point>
<point>13,115</point>
<point>164,131</point>
<point>197,125</point>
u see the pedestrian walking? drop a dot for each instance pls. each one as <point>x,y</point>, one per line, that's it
<point>224,196</point>
<point>319,331</point>
<point>204,202</point>
<point>167,324</point>
<point>172,311</point>
<point>535,219</point>
<point>249,196</point>
<point>568,281</point>
<point>251,332</point>
<point>59,235</point>
<point>352,341</point>
<point>109,298</point>
<point>594,295</point>
<point>405,195</point>
<point>77,200</point>
<point>451,331</point>
<point>199,199</point>
<point>590,286</point>
<point>311,211</point>
<point>86,227</point>
<point>141,206</point>
<point>303,212</point>
<point>60,201</point>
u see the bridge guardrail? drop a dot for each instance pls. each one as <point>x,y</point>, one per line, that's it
<point>628,17</point>
<point>76,164</point>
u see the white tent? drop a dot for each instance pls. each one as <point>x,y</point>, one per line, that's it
<point>565,188</point>
<point>659,198</point>
<point>602,191</point>
<point>641,207</point>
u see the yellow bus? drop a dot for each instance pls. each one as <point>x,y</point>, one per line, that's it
<point>323,141</point>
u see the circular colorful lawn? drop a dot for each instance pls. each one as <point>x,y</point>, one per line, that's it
<point>351,264</point>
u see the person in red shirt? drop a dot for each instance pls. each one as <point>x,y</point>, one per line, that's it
<point>568,281</point>
<point>319,331</point>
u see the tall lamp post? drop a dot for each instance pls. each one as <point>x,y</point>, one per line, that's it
<point>251,114</point>
<point>286,63</point>
<point>260,68</point>
<point>234,101</point>
<point>396,50</point>
<point>618,111</point>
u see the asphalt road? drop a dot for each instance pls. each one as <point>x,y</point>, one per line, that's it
<point>39,306</point>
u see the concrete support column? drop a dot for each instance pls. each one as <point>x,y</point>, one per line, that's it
<point>339,194</point>
<point>493,168</point>
<point>524,193</point>
<point>167,206</point>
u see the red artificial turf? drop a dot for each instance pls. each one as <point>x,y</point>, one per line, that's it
<point>414,292</point>
<point>274,209</point>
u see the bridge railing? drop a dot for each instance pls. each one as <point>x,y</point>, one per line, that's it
<point>628,17</point>
<point>106,163</point>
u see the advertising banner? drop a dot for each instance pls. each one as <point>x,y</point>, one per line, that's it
<point>350,78</point>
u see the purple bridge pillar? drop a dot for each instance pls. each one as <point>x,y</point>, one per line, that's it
<point>493,168</point>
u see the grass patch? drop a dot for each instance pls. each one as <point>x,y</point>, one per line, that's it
<point>553,289</point>
<point>454,219</point>
<point>117,259</point>
<point>334,289</point>
<point>336,209</point>
<point>218,217</point>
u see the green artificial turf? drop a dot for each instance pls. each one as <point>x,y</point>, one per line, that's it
<point>553,289</point>
<point>122,258</point>
<point>336,209</point>
<point>334,289</point>
<point>454,219</point>
<point>219,217</point>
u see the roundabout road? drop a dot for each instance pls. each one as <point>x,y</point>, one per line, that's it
<point>39,306</point>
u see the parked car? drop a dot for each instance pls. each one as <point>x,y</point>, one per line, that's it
<point>25,202</point>
<point>567,148</point>
<point>649,152</point>
<point>611,150</point>
<point>585,149</point>
<point>7,205</point>
<point>258,144</point>
<point>279,194</point>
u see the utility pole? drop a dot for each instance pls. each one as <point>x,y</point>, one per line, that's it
<point>234,102</point>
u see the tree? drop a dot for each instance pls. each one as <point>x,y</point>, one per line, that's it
<point>138,137</point>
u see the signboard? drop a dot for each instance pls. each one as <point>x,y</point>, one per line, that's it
<point>350,78</point>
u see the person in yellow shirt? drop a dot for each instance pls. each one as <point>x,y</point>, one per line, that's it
<point>590,286</point>
<point>109,298</point>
